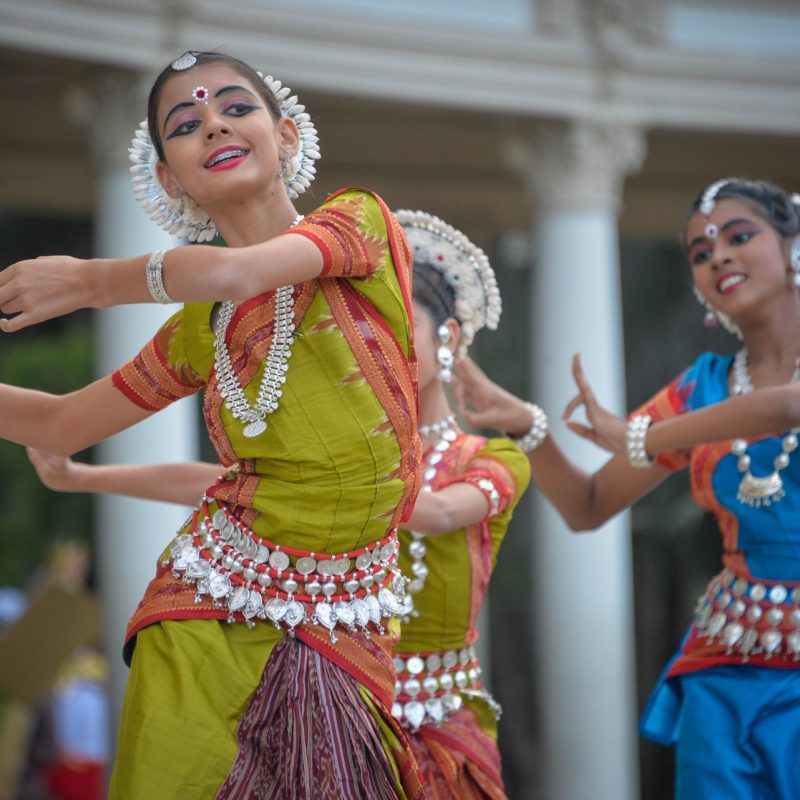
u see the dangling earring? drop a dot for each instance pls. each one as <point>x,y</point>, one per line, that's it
<point>794,260</point>
<point>714,318</point>
<point>284,167</point>
<point>444,356</point>
<point>710,318</point>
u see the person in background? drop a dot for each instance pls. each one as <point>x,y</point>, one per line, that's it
<point>730,699</point>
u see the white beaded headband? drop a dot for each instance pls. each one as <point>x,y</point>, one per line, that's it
<point>183,217</point>
<point>464,266</point>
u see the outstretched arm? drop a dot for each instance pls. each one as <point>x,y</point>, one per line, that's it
<point>585,500</point>
<point>169,483</point>
<point>757,413</point>
<point>66,424</point>
<point>42,288</point>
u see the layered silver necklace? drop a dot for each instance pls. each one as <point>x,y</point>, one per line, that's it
<point>275,367</point>
<point>759,490</point>
<point>447,431</point>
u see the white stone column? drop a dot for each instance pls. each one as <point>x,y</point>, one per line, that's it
<point>581,614</point>
<point>130,533</point>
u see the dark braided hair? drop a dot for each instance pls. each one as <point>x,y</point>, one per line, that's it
<point>434,293</point>
<point>768,200</point>
<point>245,70</point>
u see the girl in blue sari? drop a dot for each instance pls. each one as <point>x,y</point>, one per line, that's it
<point>729,701</point>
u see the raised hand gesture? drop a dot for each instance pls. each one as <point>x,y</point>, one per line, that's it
<point>604,429</point>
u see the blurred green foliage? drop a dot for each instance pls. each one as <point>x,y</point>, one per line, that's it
<point>54,357</point>
<point>33,518</point>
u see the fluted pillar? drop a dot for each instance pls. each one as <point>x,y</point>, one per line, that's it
<point>581,614</point>
<point>130,533</point>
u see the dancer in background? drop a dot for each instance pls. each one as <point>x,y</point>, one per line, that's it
<point>300,333</point>
<point>730,699</point>
<point>470,488</point>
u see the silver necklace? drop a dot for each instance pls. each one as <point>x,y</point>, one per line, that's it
<point>275,367</point>
<point>759,490</point>
<point>447,431</point>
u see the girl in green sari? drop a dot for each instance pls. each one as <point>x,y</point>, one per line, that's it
<point>261,652</point>
<point>448,548</point>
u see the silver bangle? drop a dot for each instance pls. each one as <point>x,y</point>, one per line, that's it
<point>635,437</point>
<point>154,272</point>
<point>538,430</point>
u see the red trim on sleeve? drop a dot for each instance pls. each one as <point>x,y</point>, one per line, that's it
<point>327,256</point>
<point>120,383</point>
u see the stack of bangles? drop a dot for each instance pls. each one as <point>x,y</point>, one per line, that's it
<point>636,439</point>
<point>154,273</point>
<point>537,432</point>
<point>257,579</point>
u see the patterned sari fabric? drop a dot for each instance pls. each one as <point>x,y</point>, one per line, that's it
<point>336,468</point>
<point>715,694</point>
<point>459,756</point>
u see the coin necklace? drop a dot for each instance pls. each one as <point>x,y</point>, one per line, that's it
<point>759,490</point>
<point>277,362</point>
<point>447,431</point>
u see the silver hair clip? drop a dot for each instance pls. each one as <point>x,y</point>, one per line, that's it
<point>709,198</point>
<point>187,60</point>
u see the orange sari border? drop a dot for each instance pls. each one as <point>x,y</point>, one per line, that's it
<point>149,380</point>
<point>391,376</point>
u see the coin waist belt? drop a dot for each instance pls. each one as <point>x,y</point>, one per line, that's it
<point>751,617</point>
<point>430,687</point>
<point>257,579</point>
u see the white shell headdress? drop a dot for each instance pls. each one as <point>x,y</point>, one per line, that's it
<point>183,217</point>
<point>463,265</point>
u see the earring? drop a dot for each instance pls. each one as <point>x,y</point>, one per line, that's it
<point>794,259</point>
<point>444,356</point>
<point>714,318</point>
<point>289,168</point>
<point>284,167</point>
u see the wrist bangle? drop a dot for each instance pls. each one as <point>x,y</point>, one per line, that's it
<point>154,272</point>
<point>635,436</point>
<point>538,430</point>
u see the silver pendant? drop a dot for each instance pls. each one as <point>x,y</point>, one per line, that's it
<point>255,428</point>
<point>757,491</point>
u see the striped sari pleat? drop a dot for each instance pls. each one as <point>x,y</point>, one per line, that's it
<point>307,735</point>
<point>458,760</point>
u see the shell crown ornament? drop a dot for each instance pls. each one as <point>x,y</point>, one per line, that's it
<point>182,216</point>
<point>464,266</point>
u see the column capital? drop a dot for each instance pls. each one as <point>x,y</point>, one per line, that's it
<point>577,164</point>
<point>110,109</point>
